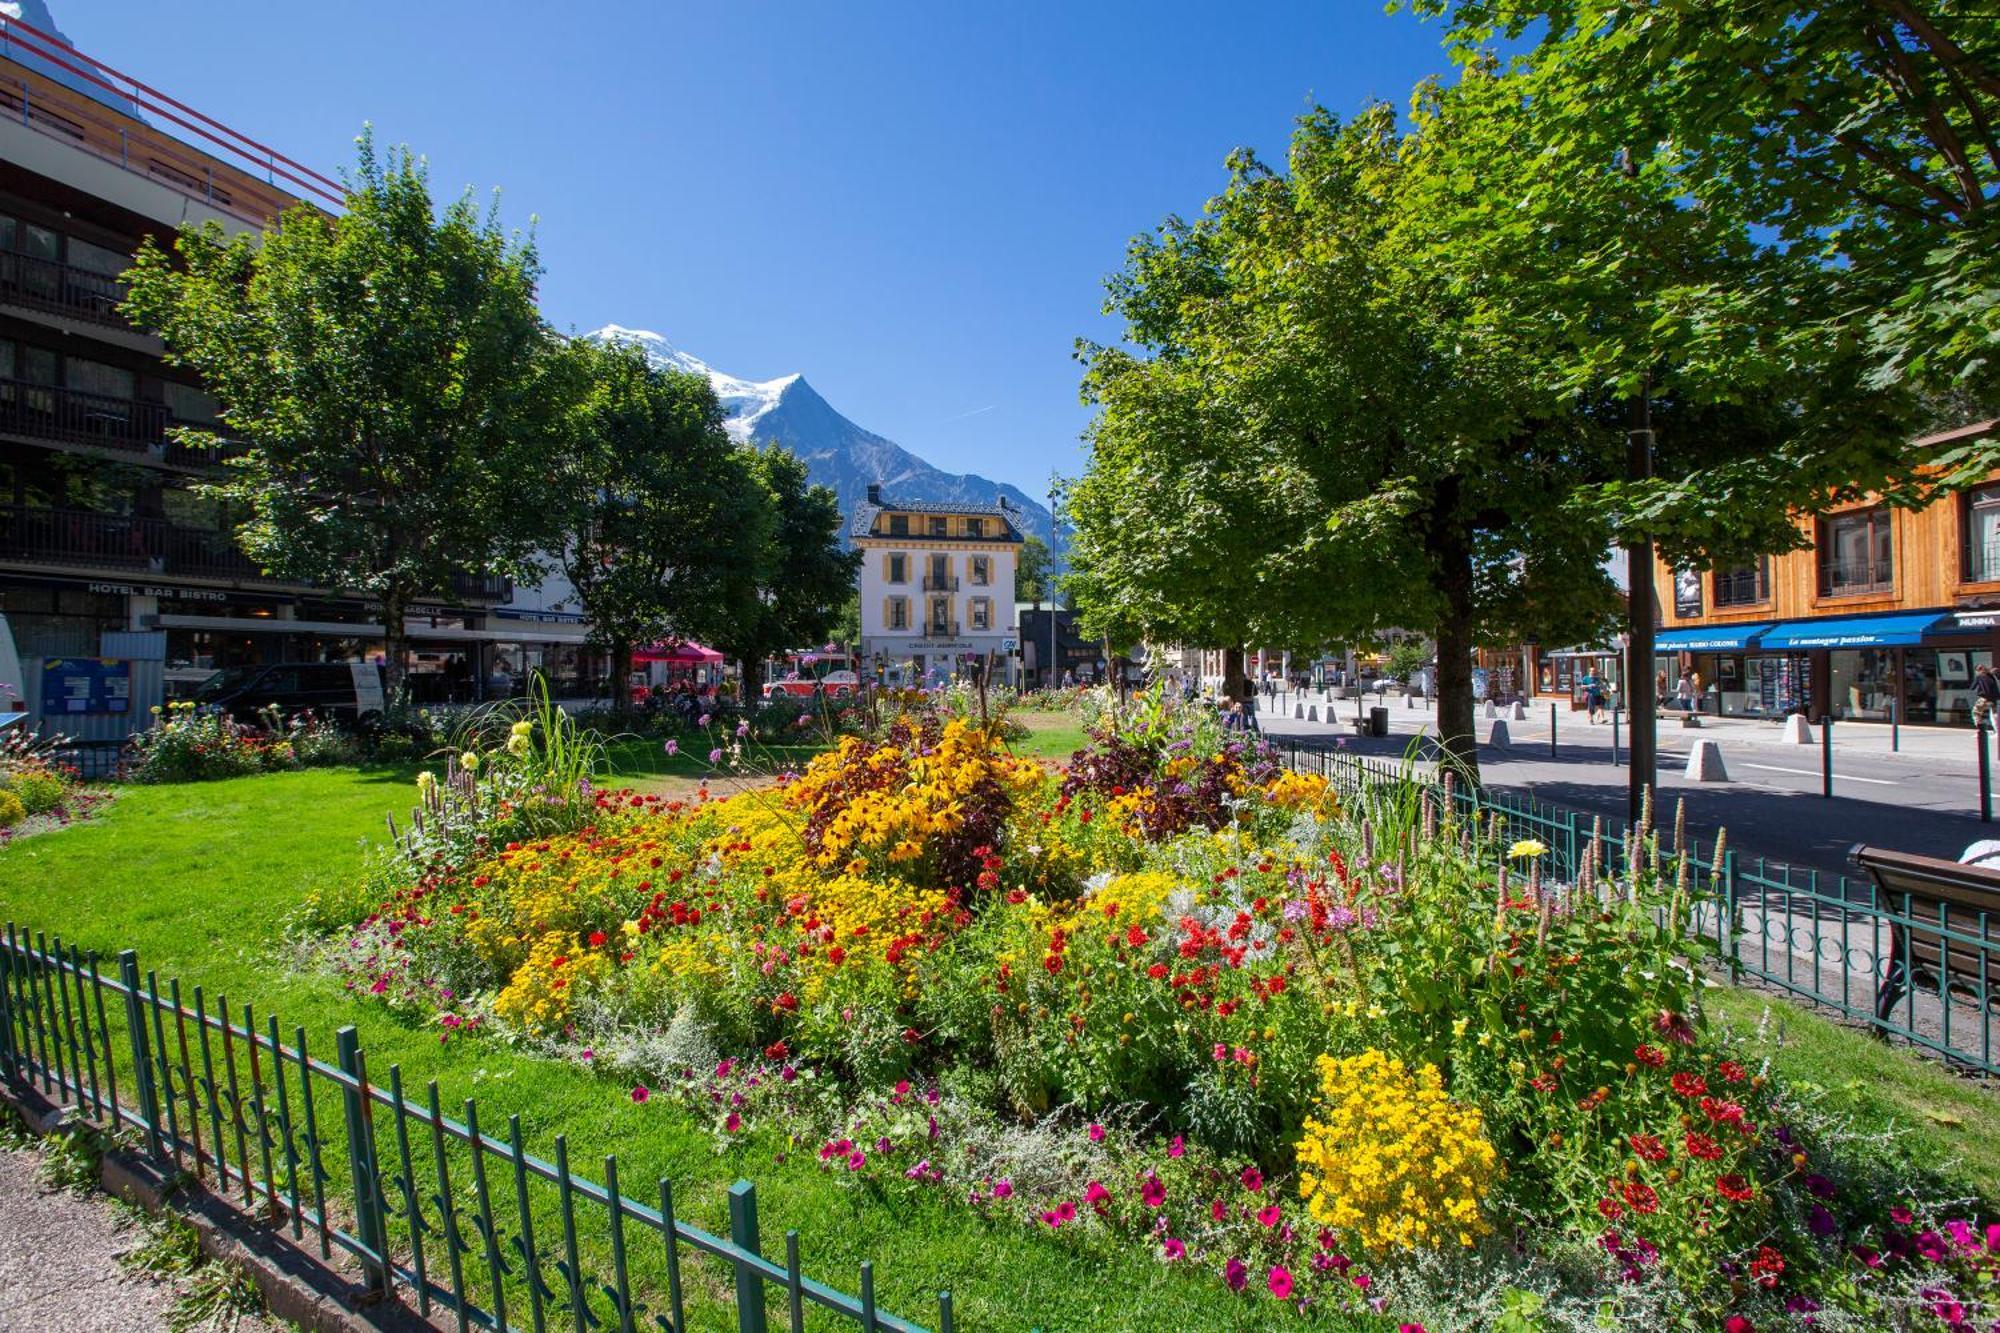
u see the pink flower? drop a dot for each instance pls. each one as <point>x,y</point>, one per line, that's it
<point>1003,1189</point>
<point>1411,1328</point>
<point>589,1054</point>
<point>1280,1282</point>
<point>673,748</point>
<point>1097,1133</point>
<point>715,756</point>
<point>733,1123</point>
<point>1061,1213</point>
<point>1268,1214</point>
<point>641,1093</point>
<point>1152,1191</point>
<point>1179,1146</point>
<point>1173,1249</point>
<point>1235,1274</point>
<point>1096,1195</point>
<point>856,1160</point>
<point>1253,1179</point>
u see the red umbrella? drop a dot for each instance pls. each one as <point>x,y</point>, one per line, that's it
<point>679,654</point>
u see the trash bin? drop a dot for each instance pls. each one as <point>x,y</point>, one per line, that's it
<point>1378,722</point>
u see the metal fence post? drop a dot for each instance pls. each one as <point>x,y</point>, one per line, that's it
<point>361,1161</point>
<point>1826,755</point>
<point>1726,926</point>
<point>1985,775</point>
<point>743,1234</point>
<point>1895,727</point>
<point>1552,731</point>
<point>142,1065</point>
<point>1614,738</point>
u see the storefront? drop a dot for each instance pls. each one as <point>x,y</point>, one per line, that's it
<point>1566,672</point>
<point>1728,672</point>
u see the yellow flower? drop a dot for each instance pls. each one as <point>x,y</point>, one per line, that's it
<point>1526,850</point>
<point>469,761</point>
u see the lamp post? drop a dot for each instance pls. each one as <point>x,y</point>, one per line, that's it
<point>1639,692</point>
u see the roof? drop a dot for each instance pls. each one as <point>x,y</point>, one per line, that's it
<point>866,511</point>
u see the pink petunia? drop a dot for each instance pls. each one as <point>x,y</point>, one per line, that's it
<point>1152,1191</point>
<point>1280,1282</point>
<point>1173,1248</point>
<point>1268,1214</point>
<point>1253,1179</point>
<point>732,1123</point>
<point>1097,1133</point>
<point>1235,1274</point>
<point>641,1093</point>
<point>1178,1147</point>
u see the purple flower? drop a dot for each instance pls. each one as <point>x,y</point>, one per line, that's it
<point>673,747</point>
<point>715,756</point>
<point>703,721</point>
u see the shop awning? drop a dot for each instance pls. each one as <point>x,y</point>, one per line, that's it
<point>1857,632</point>
<point>1583,652</point>
<point>678,654</point>
<point>1708,638</point>
<point>1981,622</point>
<point>341,629</point>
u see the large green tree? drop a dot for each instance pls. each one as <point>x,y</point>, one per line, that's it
<point>1859,144</point>
<point>389,377</point>
<point>1031,570</point>
<point>645,491</point>
<point>791,594</point>
<point>1309,448</point>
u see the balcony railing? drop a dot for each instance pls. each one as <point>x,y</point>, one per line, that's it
<point>482,587</point>
<point>1844,578</point>
<point>940,583</point>
<point>1740,587</point>
<point>64,289</point>
<point>116,541</point>
<point>71,416</point>
<point>1983,561</point>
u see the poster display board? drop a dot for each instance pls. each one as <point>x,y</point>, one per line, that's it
<point>73,685</point>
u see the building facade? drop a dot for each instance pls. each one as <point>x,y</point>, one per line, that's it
<point>105,550</point>
<point>1886,613</point>
<point>937,584</point>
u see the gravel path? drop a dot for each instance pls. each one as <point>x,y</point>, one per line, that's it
<point>59,1268</point>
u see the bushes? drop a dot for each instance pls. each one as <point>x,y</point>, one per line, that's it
<point>12,809</point>
<point>190,744</point>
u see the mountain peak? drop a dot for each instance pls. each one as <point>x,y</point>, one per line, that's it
<point>837,453</point>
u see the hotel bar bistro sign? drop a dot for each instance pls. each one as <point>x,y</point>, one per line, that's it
<point>152,590</point>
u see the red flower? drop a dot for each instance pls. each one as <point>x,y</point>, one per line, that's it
<point>1543,1082</point>
<point>1734,1188</point>
<point>1723,1113</point>
<point>1689,1085</point>
<point>1156,971</point>
<point>1052,963</point>
<point>1767,1267</point>
<point>1253,1179</point>
<point>1639,1197</point>
<point>1648,1055</point>
<point>1152,1191</point>
<point>1611,1209</point>
<point>1736,1323</point>
<point>596,939</point>
<point>1648,1146</point>
<point>1704,1147</point>
<point>1732,1072</point>
<point>787,1001</point>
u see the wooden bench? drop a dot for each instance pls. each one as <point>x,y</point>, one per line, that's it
<point>1944,924</point>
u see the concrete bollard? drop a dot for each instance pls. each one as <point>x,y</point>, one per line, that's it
<point>1299,711</point>
<point>1705,762</point>
<point>1519,713</point>
<point>1491,711</point>
<point>1312,713</point>
<point>1797,730</point>
<point>1498,737</point>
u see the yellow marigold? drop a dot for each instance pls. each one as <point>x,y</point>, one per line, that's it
<point>1391,1159</point>
<point>539,994</point>
<point>1302,791</point>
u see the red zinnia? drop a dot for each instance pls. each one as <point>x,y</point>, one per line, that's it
<point>1689,1085</point>
<point>1734,1188</point>
<point>1704,1147</point>
<point>1649,1055</point>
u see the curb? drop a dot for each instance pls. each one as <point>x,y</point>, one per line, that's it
<point>295,1286</point>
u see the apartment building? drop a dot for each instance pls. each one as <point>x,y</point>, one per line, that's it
<point>937,582</point>
<point>1886,612</point>
<point>105,551</point>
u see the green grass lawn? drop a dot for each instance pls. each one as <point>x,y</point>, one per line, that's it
<point>201,879</point>
<point>1943,1122</point>
<point>1050,735</point>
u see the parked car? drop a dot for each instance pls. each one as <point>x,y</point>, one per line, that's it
<point>349,692</point>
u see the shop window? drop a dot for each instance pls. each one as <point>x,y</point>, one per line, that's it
<point>1982,534</point>
<point>1855,554</point>
<point>1744,585</point>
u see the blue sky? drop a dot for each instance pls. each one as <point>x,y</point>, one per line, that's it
<point>915,205</point>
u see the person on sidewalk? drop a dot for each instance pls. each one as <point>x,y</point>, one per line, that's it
<point>1593,696</point>
<point>1985,694</point>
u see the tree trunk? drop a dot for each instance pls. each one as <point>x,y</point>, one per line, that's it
<point>621,672</point>
<point>395,644</point>
<point>753,679</point>
<point>1451,548</point>
<point>1235,685</point>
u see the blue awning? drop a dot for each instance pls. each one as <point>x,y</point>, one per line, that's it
<point>1708,638</point>
<point>1855,632</point>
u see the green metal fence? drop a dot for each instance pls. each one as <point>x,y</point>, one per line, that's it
<point>466,1225</point>
<point>1830,939</point>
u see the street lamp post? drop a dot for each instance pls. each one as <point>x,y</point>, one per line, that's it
<point>1640,696</point>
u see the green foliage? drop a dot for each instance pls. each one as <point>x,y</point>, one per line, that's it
<point>389,377</point>
<point>12,809</point>
<point>646,482</point>
<point>1408,656</point>
<point>1031,570</point>
<point>791,594</point>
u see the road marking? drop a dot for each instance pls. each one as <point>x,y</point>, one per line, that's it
<point>1814,773</point>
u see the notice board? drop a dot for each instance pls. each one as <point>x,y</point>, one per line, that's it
<point>73,685</point>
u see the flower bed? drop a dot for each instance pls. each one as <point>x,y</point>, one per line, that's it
<point>1368,1061</point>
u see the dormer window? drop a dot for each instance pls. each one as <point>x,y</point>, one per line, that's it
<point>975,527</point>
<point>899,525</point>
<point>940,527</point>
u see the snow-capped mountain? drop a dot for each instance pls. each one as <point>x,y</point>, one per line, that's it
<point>837,453</point>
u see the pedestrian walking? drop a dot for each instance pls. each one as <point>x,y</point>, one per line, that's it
<point>1985,694</point>
<point>1684,692</point>
<point>1593,696</point>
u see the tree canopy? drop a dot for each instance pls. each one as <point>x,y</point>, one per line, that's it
<point>387,373</point>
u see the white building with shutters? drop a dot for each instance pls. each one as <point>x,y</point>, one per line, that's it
<point>937,581</point>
